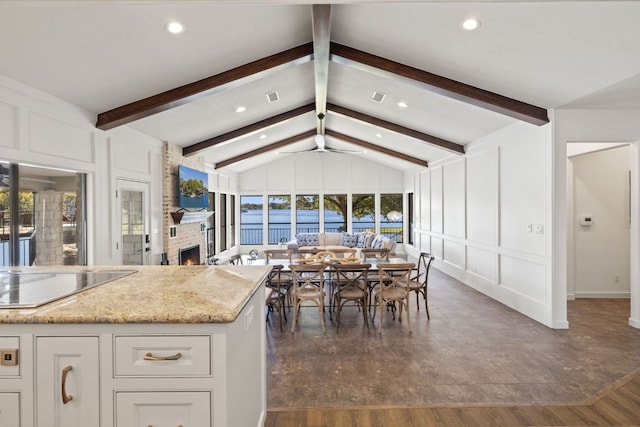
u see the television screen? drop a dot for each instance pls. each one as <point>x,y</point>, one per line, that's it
<point>193,188</point>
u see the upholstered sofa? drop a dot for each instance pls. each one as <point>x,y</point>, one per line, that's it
<point>337,241</point>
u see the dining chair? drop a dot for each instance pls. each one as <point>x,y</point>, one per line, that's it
<point>308,285</point>
<point>419,281</point>
<point>392,288</point>
<point>284,254</point>
<point>235,260</point>
<point>375,254</point>
<point>276,294</point>
<point>350,284</point>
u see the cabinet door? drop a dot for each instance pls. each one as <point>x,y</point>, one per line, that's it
<point>67,382</point>
<point>163,409</point>
<point>10,409</point>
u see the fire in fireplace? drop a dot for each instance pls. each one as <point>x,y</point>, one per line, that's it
<point>189,255</point>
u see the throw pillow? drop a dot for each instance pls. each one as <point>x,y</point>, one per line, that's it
<point>362,237</point>
<point>349,240</point>
<point>308,239</point>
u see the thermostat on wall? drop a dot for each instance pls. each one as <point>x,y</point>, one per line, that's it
<point>586,220</point>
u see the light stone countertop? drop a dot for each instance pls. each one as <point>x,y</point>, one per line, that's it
<point>153,294</point>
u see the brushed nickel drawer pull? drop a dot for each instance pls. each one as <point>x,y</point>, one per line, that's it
<point>66,398</point>
<point>150,356</point>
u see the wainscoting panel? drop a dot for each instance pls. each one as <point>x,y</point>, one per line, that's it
<point>56,138</point>
<point>8,122</point>
<point>523,277</point>
<point>453,253</point>
<point>482,263</point>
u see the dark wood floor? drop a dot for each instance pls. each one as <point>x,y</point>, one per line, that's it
<point>476,362</point>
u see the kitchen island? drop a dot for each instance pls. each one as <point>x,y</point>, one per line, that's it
<point>164,346</point>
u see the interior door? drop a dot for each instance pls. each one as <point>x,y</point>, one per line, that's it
<point>133,242</point>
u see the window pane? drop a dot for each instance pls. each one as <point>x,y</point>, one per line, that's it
<point>335,213</point>
<point>307,214</point>
<point>211,226</point>
<point>391,216</point>
<point>410,214</point>
<point>251,220</point>
<point>363,211</point>
<point>279,219</point>
<point>223,222</point>
<point>232,219</point>
<point>48,213</point>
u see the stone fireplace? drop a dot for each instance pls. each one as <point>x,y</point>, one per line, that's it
<point>189,255</point>
<point>186,235</point>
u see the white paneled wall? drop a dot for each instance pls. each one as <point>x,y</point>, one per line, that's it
<point>39,129</point>
<point>474,216</point>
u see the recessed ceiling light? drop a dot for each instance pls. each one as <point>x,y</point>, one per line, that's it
<point>241,109</point>
<point>263,136</point>
<point>175,27</point>
<point>470,24</point>
<point>402,104</point>
<point>378,135</point>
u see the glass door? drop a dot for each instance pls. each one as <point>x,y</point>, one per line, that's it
<point>133,243</point>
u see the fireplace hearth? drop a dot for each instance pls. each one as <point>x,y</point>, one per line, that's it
<point>189,255</point>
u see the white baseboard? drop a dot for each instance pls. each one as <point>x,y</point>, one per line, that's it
<point>626,295</point>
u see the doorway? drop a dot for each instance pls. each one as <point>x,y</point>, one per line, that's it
<point>133,243</point>
<point>599,220</point>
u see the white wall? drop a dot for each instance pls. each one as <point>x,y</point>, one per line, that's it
<point>323,173</point>
<point>601,250</point>
<point>39,129</point>
<point>597,126</point>
<point>473,213</point>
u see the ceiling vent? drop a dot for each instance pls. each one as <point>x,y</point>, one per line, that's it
<point>273,97</point>
<point>378,96</point>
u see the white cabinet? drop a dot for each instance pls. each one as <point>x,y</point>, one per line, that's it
<point>67,382</point>
<point>163,409</point>
<point>10,409</point>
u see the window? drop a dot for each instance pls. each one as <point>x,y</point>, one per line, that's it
<point>307,214</point>
<point>223,222</point>
<point>251,220</point>
<point>211,226</point>
<point>335,213</point>
<point>391,224</point>
<point>45,201</point>
<point>232,220</point>
<point>279,219</point>
<point>410,214</point>
<point>363,211</point>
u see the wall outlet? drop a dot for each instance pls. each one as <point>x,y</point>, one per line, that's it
<point>616,278</point>
<point>8,357</point>
<point>529,228</point>
<point>539,229</point>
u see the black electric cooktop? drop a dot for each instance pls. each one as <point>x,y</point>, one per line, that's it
<point>24,289</point>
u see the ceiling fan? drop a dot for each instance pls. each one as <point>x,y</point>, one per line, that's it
<point>321,147</point>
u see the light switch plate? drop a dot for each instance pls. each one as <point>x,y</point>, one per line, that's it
<point>9,356</point>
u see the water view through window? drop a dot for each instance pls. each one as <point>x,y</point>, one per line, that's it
<point>307,216</point>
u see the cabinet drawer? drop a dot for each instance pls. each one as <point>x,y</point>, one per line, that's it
<point>10,343</point>
<point>10,409</point>
<point>162,355</point>
<point>163,409</point>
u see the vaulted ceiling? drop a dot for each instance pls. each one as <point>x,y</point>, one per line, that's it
<point>338,70</point>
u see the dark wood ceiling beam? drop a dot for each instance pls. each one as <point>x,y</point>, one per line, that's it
<point>237,133</point>
<point>226,80</point>
<point>266,148</point>
<point>374,147</point>
<point>321,17</point>
<point>438,84</point>
<point>430,139</point>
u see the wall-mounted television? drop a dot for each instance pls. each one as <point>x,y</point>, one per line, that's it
<point>192,183</point>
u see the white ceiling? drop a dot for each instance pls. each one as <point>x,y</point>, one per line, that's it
<point>101,55</point>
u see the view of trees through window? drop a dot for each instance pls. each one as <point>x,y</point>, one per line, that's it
<point>337,216</point>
